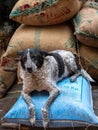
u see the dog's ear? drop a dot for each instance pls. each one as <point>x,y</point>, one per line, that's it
<point>44,53</point>
<point>19,53</point>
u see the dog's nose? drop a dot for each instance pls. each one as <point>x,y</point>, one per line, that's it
<point>29,70</point>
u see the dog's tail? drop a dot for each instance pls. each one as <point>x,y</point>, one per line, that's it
<point>86,75</point>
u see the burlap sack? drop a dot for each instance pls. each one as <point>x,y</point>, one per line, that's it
<point>47,38</point>
<point>6,78</point>
<point>89,60</point>
<point>45,12</point>
<point>86,24</point>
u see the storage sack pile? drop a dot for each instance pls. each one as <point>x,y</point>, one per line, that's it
<point>33,16</point>
<point>47,24</point>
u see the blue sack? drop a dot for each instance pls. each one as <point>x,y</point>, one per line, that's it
<point>72,107</point>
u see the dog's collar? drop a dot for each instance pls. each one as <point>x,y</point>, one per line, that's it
<point>60,63</point>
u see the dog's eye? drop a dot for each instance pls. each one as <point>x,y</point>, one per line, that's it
<point>33,57</point>
<point>24,58</point>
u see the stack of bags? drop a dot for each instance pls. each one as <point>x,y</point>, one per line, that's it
<point>6,79</point>
<point>86,31</point>
<point>45,24</point>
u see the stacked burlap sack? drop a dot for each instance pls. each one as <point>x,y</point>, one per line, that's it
<point>5,35</point>
<point>45,24</point>
<point>86,31</point>
<point>6,78</point>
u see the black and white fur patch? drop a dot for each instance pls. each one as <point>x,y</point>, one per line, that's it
<point>31,60</point>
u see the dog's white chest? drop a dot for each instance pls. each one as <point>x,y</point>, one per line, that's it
<point>36,81</point>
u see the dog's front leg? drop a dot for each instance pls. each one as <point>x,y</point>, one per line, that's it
<point>29,102</point>
<point>53,92</point>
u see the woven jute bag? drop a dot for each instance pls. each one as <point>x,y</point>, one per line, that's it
<point>45,12</point>
<point>86,24</point>
<point>6,78</point>
<point>47,38</point>
<point>89,60</point>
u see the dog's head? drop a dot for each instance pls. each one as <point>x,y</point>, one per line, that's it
<point>32,59</point>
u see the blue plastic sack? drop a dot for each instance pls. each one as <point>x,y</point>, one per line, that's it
<point>73,106</point>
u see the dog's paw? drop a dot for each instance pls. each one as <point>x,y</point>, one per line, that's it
<point>45,124</point>
<point>73,78</point>
<point>32,117</point>
<point>32,121</point>
<point>45,118</point>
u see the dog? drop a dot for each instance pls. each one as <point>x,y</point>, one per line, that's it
<point>40,70</point>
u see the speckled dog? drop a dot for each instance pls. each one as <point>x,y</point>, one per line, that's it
<point>41,70</point>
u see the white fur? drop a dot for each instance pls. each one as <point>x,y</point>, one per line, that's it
<point>29,63</point>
